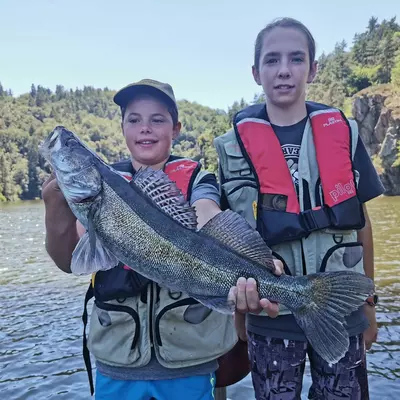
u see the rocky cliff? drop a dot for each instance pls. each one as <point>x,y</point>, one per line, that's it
<point>377,112</point>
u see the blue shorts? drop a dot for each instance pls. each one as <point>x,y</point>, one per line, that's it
<point>200,387</point>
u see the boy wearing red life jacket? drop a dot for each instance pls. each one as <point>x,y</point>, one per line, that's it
<point>299,173</point>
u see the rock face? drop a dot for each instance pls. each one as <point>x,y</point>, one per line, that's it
<point>377,113</point>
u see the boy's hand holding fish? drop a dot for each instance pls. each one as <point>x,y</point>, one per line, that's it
<point>245,296</point>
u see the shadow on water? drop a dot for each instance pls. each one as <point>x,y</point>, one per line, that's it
<point>41,307</point>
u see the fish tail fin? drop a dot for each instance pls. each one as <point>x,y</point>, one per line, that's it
<point>329,297</point>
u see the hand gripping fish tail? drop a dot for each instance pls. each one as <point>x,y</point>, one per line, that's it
<point>320,310</point>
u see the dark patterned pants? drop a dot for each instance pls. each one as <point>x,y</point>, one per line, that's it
<point>277,368</point>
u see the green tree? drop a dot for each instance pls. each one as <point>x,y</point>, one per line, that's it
<point>395,78</point>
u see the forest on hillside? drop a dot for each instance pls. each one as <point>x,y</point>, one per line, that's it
<point>372,59</point>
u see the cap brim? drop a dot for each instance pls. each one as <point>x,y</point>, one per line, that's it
<point>126,95</point>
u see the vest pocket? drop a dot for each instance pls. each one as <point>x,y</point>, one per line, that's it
<point>188,333</point>
<point>236,163</point>
<point>114,333</point>
<point>242,196</point>
<point>343,256</point>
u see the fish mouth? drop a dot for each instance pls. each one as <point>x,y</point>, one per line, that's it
<point>73,164</point>
<point>53,138</point>
<point>49,144</point>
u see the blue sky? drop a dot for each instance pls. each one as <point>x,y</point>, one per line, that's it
<point>204,49</point>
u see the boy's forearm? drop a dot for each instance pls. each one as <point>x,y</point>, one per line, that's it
<point>365,237</point>
<point>61,235</point>
<point>205,209</point>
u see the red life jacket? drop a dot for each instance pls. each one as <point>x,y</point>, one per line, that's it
<point>182,171</point>
<point>279,217</point>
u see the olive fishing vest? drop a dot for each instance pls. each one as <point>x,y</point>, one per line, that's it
<point>316,229</point>
<point>125,327</point>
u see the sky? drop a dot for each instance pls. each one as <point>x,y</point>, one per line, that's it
<point>204,49</point>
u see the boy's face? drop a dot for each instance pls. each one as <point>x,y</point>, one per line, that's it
<point>149,131</point>
<point>284,69</point>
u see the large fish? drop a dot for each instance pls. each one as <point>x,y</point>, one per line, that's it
<point>148,225</point>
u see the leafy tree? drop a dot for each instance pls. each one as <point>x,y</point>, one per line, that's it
<point>369,61</point>
<point>396,73</point>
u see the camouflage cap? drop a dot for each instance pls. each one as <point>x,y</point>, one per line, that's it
<point>126,94</point>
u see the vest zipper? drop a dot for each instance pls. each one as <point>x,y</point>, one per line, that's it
<point>242,178</point>
<point>125,309</point>
<point>180,303</point>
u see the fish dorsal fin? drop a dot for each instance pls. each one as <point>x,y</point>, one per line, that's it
<point>164,193</point>
<point>229,228</point>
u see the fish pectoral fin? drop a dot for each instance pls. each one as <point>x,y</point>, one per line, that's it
<point>220,304</point>
<point>90,256</point>
<point>231,229</point>
<point>164,193</point>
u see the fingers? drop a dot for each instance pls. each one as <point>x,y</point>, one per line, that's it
<point>272,309</point>
<point>369,343</point>
<point>370,338</point>
<point>240,325</point>
<point>371,333</point>
<point>232,295</point>
<point>51,184</point>
<point>51,192</point>
<point>252,297</point>
<point>247,299</point>
<point>241,299</point>
<point>51,178</point>
<point>279,270</point>
<point>239,317</point>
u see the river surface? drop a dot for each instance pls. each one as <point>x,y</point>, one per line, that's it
<point>41,307</point>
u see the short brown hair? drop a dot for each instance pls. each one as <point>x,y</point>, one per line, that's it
<point>172,109</point>
<point>161,91</point>
<point>283,23</point>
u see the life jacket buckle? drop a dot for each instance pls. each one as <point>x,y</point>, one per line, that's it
<point>315,219</point>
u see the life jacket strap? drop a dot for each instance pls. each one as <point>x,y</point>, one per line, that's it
<point>86,353</point>
<point>315,219</point>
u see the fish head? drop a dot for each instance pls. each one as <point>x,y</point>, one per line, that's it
<point>74,166</point>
